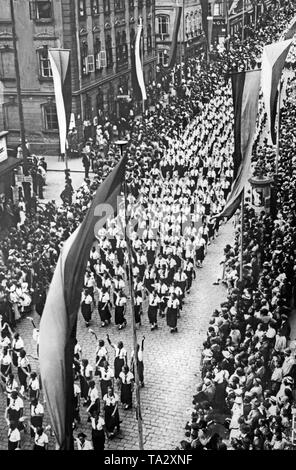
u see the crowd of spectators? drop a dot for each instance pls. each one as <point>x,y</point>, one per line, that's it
<point>248,367</point>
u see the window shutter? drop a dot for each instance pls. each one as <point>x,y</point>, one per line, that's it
<point>98,61</point>
<point>32,5</point>
<point>103,59</point>
<point>85,64</point>
<point>91,63</point>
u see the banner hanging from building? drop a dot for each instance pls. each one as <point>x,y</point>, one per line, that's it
<point>60,61</point>
<point>138,82</point>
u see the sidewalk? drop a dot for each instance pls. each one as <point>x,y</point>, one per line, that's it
<point>55,180</point>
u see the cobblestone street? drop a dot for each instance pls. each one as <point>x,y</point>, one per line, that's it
<point>171,362</point>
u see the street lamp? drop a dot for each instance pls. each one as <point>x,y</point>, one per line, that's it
<point>121,144</point>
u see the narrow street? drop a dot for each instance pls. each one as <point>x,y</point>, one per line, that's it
<point>171,361</point>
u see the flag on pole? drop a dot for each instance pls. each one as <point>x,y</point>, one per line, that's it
<point>289,34</point>
<point>246,86</point>
<point>59,318</point>
<point>243,84</point>
<point>273,60</point>
<point>138,82</point>
<point>60,61</point>
<point>173,51</point>
<point>204,16</point>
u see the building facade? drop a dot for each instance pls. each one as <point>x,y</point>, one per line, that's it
<point>99,34</point>
<point>191,39</point>
<point>240,13</point>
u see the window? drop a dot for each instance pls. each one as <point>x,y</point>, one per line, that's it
<point>131,4</point>
<point>84,54</point>
<point>140,4</point>
<point>41,10</point>
<point>87,108</point>
<point>7,70</point>
<point>109,55</point>
<point>121,48</point>
<point>218,9</point>
<point>100,100</point>
<point>91,63</point>
<point>148,4</point>
<point>110,100</point>
<point>119,5</point>
<point>82,8</point>
<point>50,117</point>
<point>94,7</point>
<point>163,58</point>
<point>107,7</point>
<point>163,24</point>
<point>149,38</point>
<point>97,50</point>
<point>132,37</point>
<point>44,63</point>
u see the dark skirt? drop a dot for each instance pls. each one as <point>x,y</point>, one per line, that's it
<point>22,377</point>
<point>104,387</point>
<point>98,439</point>
<point>36,447</point>
<point>95,407</point>
<point>15,358</point>
<point>84,387</point>
<point>101,361</point>
<point>5,370</point>
<point>86,312</point>
<point>36,421</point>
<point>172,317</point>
<point>137,313</point>
<point>148,284</point>
<point>120,256</point>
<point>200,254</point>
<point>150,256</point>
<point>141,371</point>
<point>119,315</point>
<point>32,394</point>
<point>12,445</point>
<point>126,394</point>
<point>111,421</point>
<point>104,313</point>
<point>152,314</point>
<point>118,365</point>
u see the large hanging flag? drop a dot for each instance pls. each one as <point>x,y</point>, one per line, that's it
<point>273,60</point>
<point>60,61</point>
<point>243,85</point>
<point>138,82</point>
<point>246,86</point>
<point>59,318</point>
<point>174,46</point>
<point>204,16</point>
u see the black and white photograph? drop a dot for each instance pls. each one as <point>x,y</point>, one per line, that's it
<point>147,227</point>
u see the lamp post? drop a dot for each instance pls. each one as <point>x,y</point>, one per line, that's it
<point>18,89</point>
<point>122,144</point>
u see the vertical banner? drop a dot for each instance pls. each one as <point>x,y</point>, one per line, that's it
<point>273,60</point>
<point>247,93</point>
<point>138,82</point>
<point>60,62</point>
<point>173,51</point>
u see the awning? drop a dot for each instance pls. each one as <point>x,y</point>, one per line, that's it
<point>8,165</point>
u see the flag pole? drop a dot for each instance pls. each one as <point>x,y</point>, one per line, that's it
<point>243,24</point>
<point>131,287</point>
<point>277,153</point>
<point>242,239</point>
